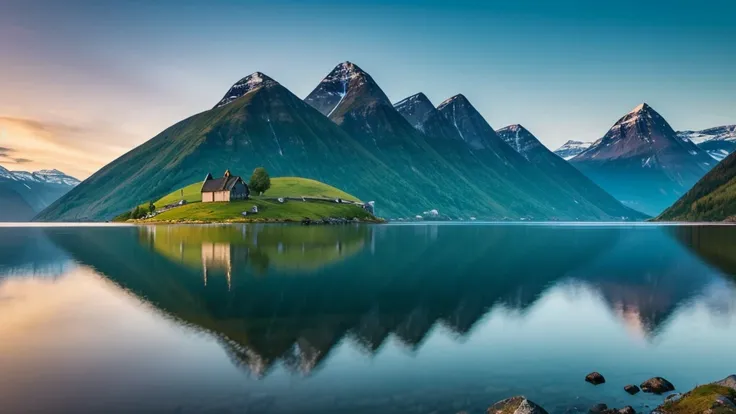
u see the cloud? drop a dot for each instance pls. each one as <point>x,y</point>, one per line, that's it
<point>55,129</point>
<point>6,155</point>
<point>74,149</point>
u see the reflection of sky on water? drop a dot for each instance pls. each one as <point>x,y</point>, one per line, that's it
<point>351,338</point>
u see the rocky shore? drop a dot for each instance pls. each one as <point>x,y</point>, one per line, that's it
<point>715,398</point>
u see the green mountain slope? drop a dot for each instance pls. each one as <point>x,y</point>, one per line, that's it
<point>265,125</point>
<point>713,198</point>
<point>569,180</point>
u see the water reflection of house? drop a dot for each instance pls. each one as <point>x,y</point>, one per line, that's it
<point>217,256</point>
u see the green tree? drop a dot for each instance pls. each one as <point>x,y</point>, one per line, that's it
<point>260,181</point>
<point>136,213</point>
<point>151,207</point>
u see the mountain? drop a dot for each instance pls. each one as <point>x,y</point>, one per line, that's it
<point>352,99</point>
<point>497,180</point>
<point>572,148</point>
<point>530,184</point>
<point>23,194</point>
<point>718,142</point>
<point>713,198</point>
<point>447,131</point>
<point>643,163</point>
<point>257,123</point>
<point>562,173</point>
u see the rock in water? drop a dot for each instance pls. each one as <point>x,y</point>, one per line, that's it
<point>515,405</point>
<point>595,378</point>
<point>729,381</point>
<point>627,410</point>
<point>599,409</point>
<point>632,389</point>
<point>657,385</point>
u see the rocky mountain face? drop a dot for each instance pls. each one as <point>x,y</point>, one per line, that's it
<point>572,148</point>
<point>713,198</point>
<point>643,163</point>
<point>718,142</point>
<point>23,194</point>
<point>561,173</point>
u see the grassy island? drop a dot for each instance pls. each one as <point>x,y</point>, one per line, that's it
<point>303,199</point>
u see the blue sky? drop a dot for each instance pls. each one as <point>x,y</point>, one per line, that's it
<point>96,78</point>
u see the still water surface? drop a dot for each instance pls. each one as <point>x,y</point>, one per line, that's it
<point>358,319</point>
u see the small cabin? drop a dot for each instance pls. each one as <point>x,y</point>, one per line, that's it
<point>224,189</point>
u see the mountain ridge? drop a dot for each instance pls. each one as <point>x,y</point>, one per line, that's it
<point>641,147</point>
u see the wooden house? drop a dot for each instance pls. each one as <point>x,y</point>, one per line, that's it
<point>227,188</point>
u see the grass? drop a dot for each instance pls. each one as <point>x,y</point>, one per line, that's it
<point>268,210</point>
<point>280,187</point>
<point>700,400</point>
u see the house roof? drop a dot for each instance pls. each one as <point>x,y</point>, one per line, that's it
<point>220,184</point>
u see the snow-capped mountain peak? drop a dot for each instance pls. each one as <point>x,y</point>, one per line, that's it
<point>52,176</point>
<point>572,148</point>
<point>4,173</point>
<point>242,87</point>
<point>718,142</point>
<point>416,99</point>
<point>344,72</point>
<point>520,139</point>
<point>417,110</point>
<point>346,87</point>
<point>459,98</point>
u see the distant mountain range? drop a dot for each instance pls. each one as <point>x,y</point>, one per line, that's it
<point>409,158</point>
<point>643,162</point>
<point>571,148</point>
<point>719,142</point>
<point>24,194</point>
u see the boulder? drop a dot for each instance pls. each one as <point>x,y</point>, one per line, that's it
<point>657,385</point>
<point>627,410</point>
<point>729,381</point>
<point>673,397</point>
<point>598,409</point>
<point>595,378</point>
<point>632,389</point>
<point>515,405</point>
<point>723,401</point>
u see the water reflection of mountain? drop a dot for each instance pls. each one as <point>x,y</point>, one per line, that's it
<point>407,281</point>
<point>27,252</point>
<point>715,244</point>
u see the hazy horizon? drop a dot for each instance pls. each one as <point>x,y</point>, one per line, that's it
<point>84,83</point>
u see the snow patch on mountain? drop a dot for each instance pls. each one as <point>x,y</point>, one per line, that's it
<point>572,148</point>
<point>244,86</point>
<point>520,139</point>
<point>722,133</point>
<point>43,176</point>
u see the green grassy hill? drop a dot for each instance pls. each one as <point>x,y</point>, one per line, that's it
<point>269,209</point>
<point>280,187</point>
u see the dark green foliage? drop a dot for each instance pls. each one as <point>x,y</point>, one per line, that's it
<point>151,207</point>
<point>260,181</point>
<point>713,198</point>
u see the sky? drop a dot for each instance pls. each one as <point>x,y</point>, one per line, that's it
<point>83,82</point>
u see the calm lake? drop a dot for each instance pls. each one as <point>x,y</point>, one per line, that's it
<point>359,318</point>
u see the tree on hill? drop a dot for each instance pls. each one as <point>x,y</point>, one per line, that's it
<point>151,207</point>
<point>260,181</point>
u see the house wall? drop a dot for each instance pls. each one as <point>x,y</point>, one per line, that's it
<point>239,192</point>
<point>208,197</point>
<point>222,196</point>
